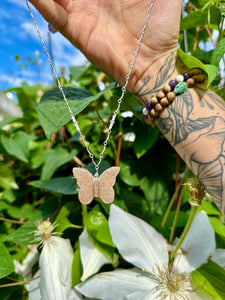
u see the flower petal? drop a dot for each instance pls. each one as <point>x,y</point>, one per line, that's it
<point>117,284</point>
<point>34,290</point>
<point>35,293</point>
<point>55,269</point>
<point>199,244</point>
<point>92,259</point>
<point>219,257</point>
<point>137,241</point>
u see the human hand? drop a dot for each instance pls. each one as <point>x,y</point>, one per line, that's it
<point>107,33</point>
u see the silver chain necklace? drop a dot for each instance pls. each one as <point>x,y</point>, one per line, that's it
<point>95,186</point>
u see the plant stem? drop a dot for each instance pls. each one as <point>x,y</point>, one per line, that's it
<point>176,216</point>
<point>193,212</point>
<point>173,198</point>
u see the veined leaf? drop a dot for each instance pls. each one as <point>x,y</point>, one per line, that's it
<point>218,52</point>
<point>53,112</point>
<point>210,277</point>
<point>18,145</point>
<point>60,185</point>
<point>200,18</point>
<point>6,262</point>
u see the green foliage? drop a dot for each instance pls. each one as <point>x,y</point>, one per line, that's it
<point>210,277</point>
<point>39,150</point>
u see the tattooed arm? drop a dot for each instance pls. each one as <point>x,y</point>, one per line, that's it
<point>195,126</point>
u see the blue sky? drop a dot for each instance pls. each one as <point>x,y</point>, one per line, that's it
<point>18,36</point>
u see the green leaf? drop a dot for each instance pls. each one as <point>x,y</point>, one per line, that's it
<point>218,226</point>
<point>211,277</point>
<point>212,73</point>
<point>54,158</point>
<point>210,208</point>
<point>62,220</point>
<point>156,192</point>
<point>18,145</point>
<point>210,3</point>
<point>77,268</point>
<point>6,262</point>
<point>143,144</point>
<point>24,235</point>
<point>53,112</point>
<point>97,226</point>
<point>24,211</point>
<point>7,179</point>
<point>60,185</point>
<point>7,120</point>
<point>191,61</point>
<point>77,71</point>
<point>199,18</point>
<point>63,224</point>
<point>218,52</point>
<point>130,172</point>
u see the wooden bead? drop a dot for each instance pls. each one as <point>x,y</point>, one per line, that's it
<point>171,96</point>
<point>190,82</point>
<point>153,113</point>
<point>150,120</point>
<point>164,102</point>
<point>153,100</point>
<point>160,95</point>
<point>158,107</point>
<point>166,88</point>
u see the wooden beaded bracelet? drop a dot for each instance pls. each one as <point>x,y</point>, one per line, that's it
<point>169,92</point>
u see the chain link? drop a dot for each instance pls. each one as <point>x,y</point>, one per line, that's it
<point>127,77</point>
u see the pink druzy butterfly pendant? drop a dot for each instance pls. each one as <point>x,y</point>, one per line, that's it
<point>96,186</point>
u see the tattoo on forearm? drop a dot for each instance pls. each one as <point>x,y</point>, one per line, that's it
<point>163,75</point>
<point>195,126</point>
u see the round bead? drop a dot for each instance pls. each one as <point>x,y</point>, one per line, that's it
<point>179,78</point>
<point>145,111</point>
<point>51,28</point>
<point>153,100</point>
<point>171,96</point>
<point>186,76</point>
<point>190,82</point>
<point>158,107</point>
<point>153,113</point>
<point>164,102</point>
<point>172,84</point>
<point>181,87</point>
<point>160,95</point>
<point>150,120</point>
<point>149,106</point>
<point>166,88</point>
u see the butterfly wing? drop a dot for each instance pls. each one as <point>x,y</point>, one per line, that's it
<point>106,183</point>
<point>85,183</point>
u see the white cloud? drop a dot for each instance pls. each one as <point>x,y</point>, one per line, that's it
<point>14,81</point>
<point>20,3</point>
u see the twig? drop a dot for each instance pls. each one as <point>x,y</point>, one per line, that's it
<point>119,150</point>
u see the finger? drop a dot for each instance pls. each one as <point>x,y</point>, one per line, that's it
<point>52,11</point>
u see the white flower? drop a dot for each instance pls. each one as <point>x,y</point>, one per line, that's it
<point>55,265</point>
<point>25,269</point>
<point>54,276</point>
<point>141,245</point>
<point>219,257</point>
<point>92,259</point>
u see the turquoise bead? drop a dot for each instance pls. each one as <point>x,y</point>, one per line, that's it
<point>181,87</point>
